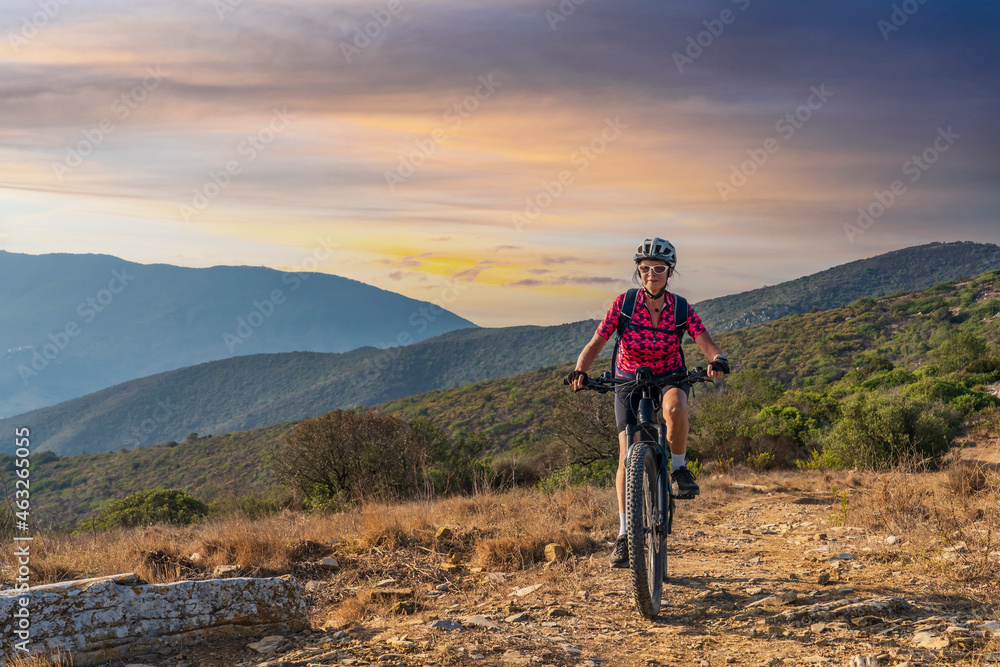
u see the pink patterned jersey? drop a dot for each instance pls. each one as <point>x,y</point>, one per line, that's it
<point>660,350</point>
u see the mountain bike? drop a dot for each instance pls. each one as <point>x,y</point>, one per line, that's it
<point>649,492</point>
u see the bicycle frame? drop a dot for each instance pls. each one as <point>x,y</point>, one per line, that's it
<point>648,522</point>
<point>646,415</point>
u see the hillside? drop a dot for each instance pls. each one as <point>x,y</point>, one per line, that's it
<point>252,391</point>
<point>815,350</point>
<point>74,324</point>
<point>908,269</point>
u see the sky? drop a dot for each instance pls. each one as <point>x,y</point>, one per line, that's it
<point>502,159</point>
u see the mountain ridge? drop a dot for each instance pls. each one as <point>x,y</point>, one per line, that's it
<point>76,324</point>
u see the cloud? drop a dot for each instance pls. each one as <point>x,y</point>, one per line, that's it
<point>356,121</point>
<point>566,280</point>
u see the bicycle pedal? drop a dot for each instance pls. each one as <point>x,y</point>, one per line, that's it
<point>688,496</point>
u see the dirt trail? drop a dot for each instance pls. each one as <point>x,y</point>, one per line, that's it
<point>756,578</point>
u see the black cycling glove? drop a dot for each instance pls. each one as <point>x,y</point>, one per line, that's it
<point>573,375</point>
<point>720,365</point>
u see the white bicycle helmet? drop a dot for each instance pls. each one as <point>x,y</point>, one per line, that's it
<point>657,248</point>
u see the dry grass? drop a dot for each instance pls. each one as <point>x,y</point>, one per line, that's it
<point>947,520</point>
<point>58,659</point>
<point>282,543</point>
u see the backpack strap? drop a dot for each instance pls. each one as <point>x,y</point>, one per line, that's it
<point>680,324</point>
<point>624,319</point>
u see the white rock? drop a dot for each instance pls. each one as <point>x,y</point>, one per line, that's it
<point>268,644</point>
<point>481,622</point>
<point>527,590</point>
<point>101,621</point>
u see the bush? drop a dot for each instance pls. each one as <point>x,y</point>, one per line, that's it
<point>726,418</point>
<point>144,508</point>
<point>960,350</point>
<point>880,431</point>
<point>345,456</point>
<point>597,473</point>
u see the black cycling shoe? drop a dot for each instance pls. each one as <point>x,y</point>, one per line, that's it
<point>619,558</point>
<point>686,486</point>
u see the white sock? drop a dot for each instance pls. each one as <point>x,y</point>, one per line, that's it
<point>621,524</point>
<point>677,459</point>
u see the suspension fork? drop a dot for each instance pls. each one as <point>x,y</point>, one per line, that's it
<point>666,501</point>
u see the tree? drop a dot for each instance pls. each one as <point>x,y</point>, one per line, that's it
<point>347,455</point>
<point>585,423</point>
<point>144,508</point>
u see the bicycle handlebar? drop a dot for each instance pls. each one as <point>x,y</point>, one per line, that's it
<point>643,377</point>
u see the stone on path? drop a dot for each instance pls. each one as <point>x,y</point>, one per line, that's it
<point>515,658</point>
<point>930,641</point>
<point>268,644</point>
<point>555,553</point>
<point>330,564</point>
<point>445,624</point>
<point>481,622</point>
<point>527,590</point>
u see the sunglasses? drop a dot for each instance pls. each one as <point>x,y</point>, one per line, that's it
<point>657,269</point>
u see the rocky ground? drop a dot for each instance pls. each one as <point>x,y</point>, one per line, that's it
<point>757,577</point>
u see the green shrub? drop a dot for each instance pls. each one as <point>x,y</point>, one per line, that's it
<point>892,378</point>
<point>786,421</point>
<point>880,431</point>
<point>960,350</point>
<point>596,473</point>
<point>725,416</point>
<point>144,508</point>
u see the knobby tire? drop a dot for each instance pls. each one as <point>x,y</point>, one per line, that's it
<point>646,555</point>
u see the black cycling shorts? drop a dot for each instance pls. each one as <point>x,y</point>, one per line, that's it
<point>626,406</point>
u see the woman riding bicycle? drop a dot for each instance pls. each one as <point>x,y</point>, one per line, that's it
<point>650,340</point>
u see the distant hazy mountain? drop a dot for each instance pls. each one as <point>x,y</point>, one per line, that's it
<point>251,391</point>
<point>912,268</point>
<point>74,324</point>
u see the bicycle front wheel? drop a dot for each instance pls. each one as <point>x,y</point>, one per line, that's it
<point>644,541</point>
